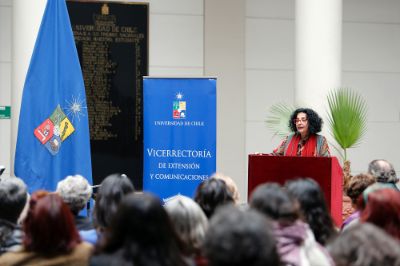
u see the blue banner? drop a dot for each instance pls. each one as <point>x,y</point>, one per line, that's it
<point>179,134</point>
<point>53,132</point>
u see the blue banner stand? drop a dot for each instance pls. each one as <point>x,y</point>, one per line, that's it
<point>179,134</point>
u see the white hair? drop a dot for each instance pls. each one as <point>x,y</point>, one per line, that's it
<point>76,191</point>
<point>189,220</point>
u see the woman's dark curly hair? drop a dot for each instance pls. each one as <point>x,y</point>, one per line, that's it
<point>314,120</point>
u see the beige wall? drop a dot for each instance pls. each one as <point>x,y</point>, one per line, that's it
<point>269,66</point>
<point>371,64</point>
<point>224,56</point>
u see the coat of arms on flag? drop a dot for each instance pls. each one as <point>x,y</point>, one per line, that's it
<point>179,107</point>
<point>54,130</point>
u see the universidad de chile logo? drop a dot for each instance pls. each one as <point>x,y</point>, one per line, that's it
<point>58,127</point>
<point>179,107</point>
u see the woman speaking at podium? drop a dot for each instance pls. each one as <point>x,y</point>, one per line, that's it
<point>304,141</point>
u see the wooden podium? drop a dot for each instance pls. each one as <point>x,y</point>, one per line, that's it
<point>326,171</point>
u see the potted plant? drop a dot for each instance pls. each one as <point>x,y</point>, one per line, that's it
<point>347,120</point>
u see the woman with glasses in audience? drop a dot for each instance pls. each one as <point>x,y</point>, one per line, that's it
<point>304,141</point>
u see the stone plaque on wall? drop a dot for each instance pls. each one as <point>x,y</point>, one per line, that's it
<point>112,43</point>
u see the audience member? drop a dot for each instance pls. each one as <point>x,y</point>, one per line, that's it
<point>13,197</point>
<point>295,241</point>
<point>211,194</point>
<point>313,208</point>
<point>381,207</point>
<point>141,233</point>
<point>230,184</point>
<point>190,223</point>
<point>76,192</point>
<point>383,171</point>
<point>365,245</point>
<point>50,236</point>
<point>237,238</point>
<point>356,186</point>
<point>111,191</point>
<point>108,197</point>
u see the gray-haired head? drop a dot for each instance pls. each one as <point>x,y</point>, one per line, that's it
<point>76,191</point>
<point>13,196</point>
<point>189,221</point>
<point>364,244</point>
<point>383,171</point>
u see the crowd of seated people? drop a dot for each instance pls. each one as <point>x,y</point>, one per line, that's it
<point>283,224</point>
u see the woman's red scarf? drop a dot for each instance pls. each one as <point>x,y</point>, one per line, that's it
<point>308,149</point>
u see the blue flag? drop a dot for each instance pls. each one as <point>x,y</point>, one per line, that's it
<point>53,133</point>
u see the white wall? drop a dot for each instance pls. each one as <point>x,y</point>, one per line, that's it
<point>5,81</point>
<point>269,66</point>
<point>371,65</point>
<point>176,37</point>
<point>225,58</point>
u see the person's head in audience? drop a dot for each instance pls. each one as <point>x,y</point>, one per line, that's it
<point>236,237</point>
<point>295,242</point>
<point>189,221</point>
<point>13,197</point>
<point>381,207</point>
<point>271,200</point>
<point>108,197</point>
<point>356,186</point>
<point>383,171</point>
<point>49,226</point>
<point>141,233</point>
<point>76,191</point>
<point>313,208</point>
<point>212,193</point>
<point>230,184</point>
<point>365,245</point>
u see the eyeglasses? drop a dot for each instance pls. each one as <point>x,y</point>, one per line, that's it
<point>300,120</point>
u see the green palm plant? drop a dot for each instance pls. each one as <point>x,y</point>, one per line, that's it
<point>278,119</point>
<point>347,118</point>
